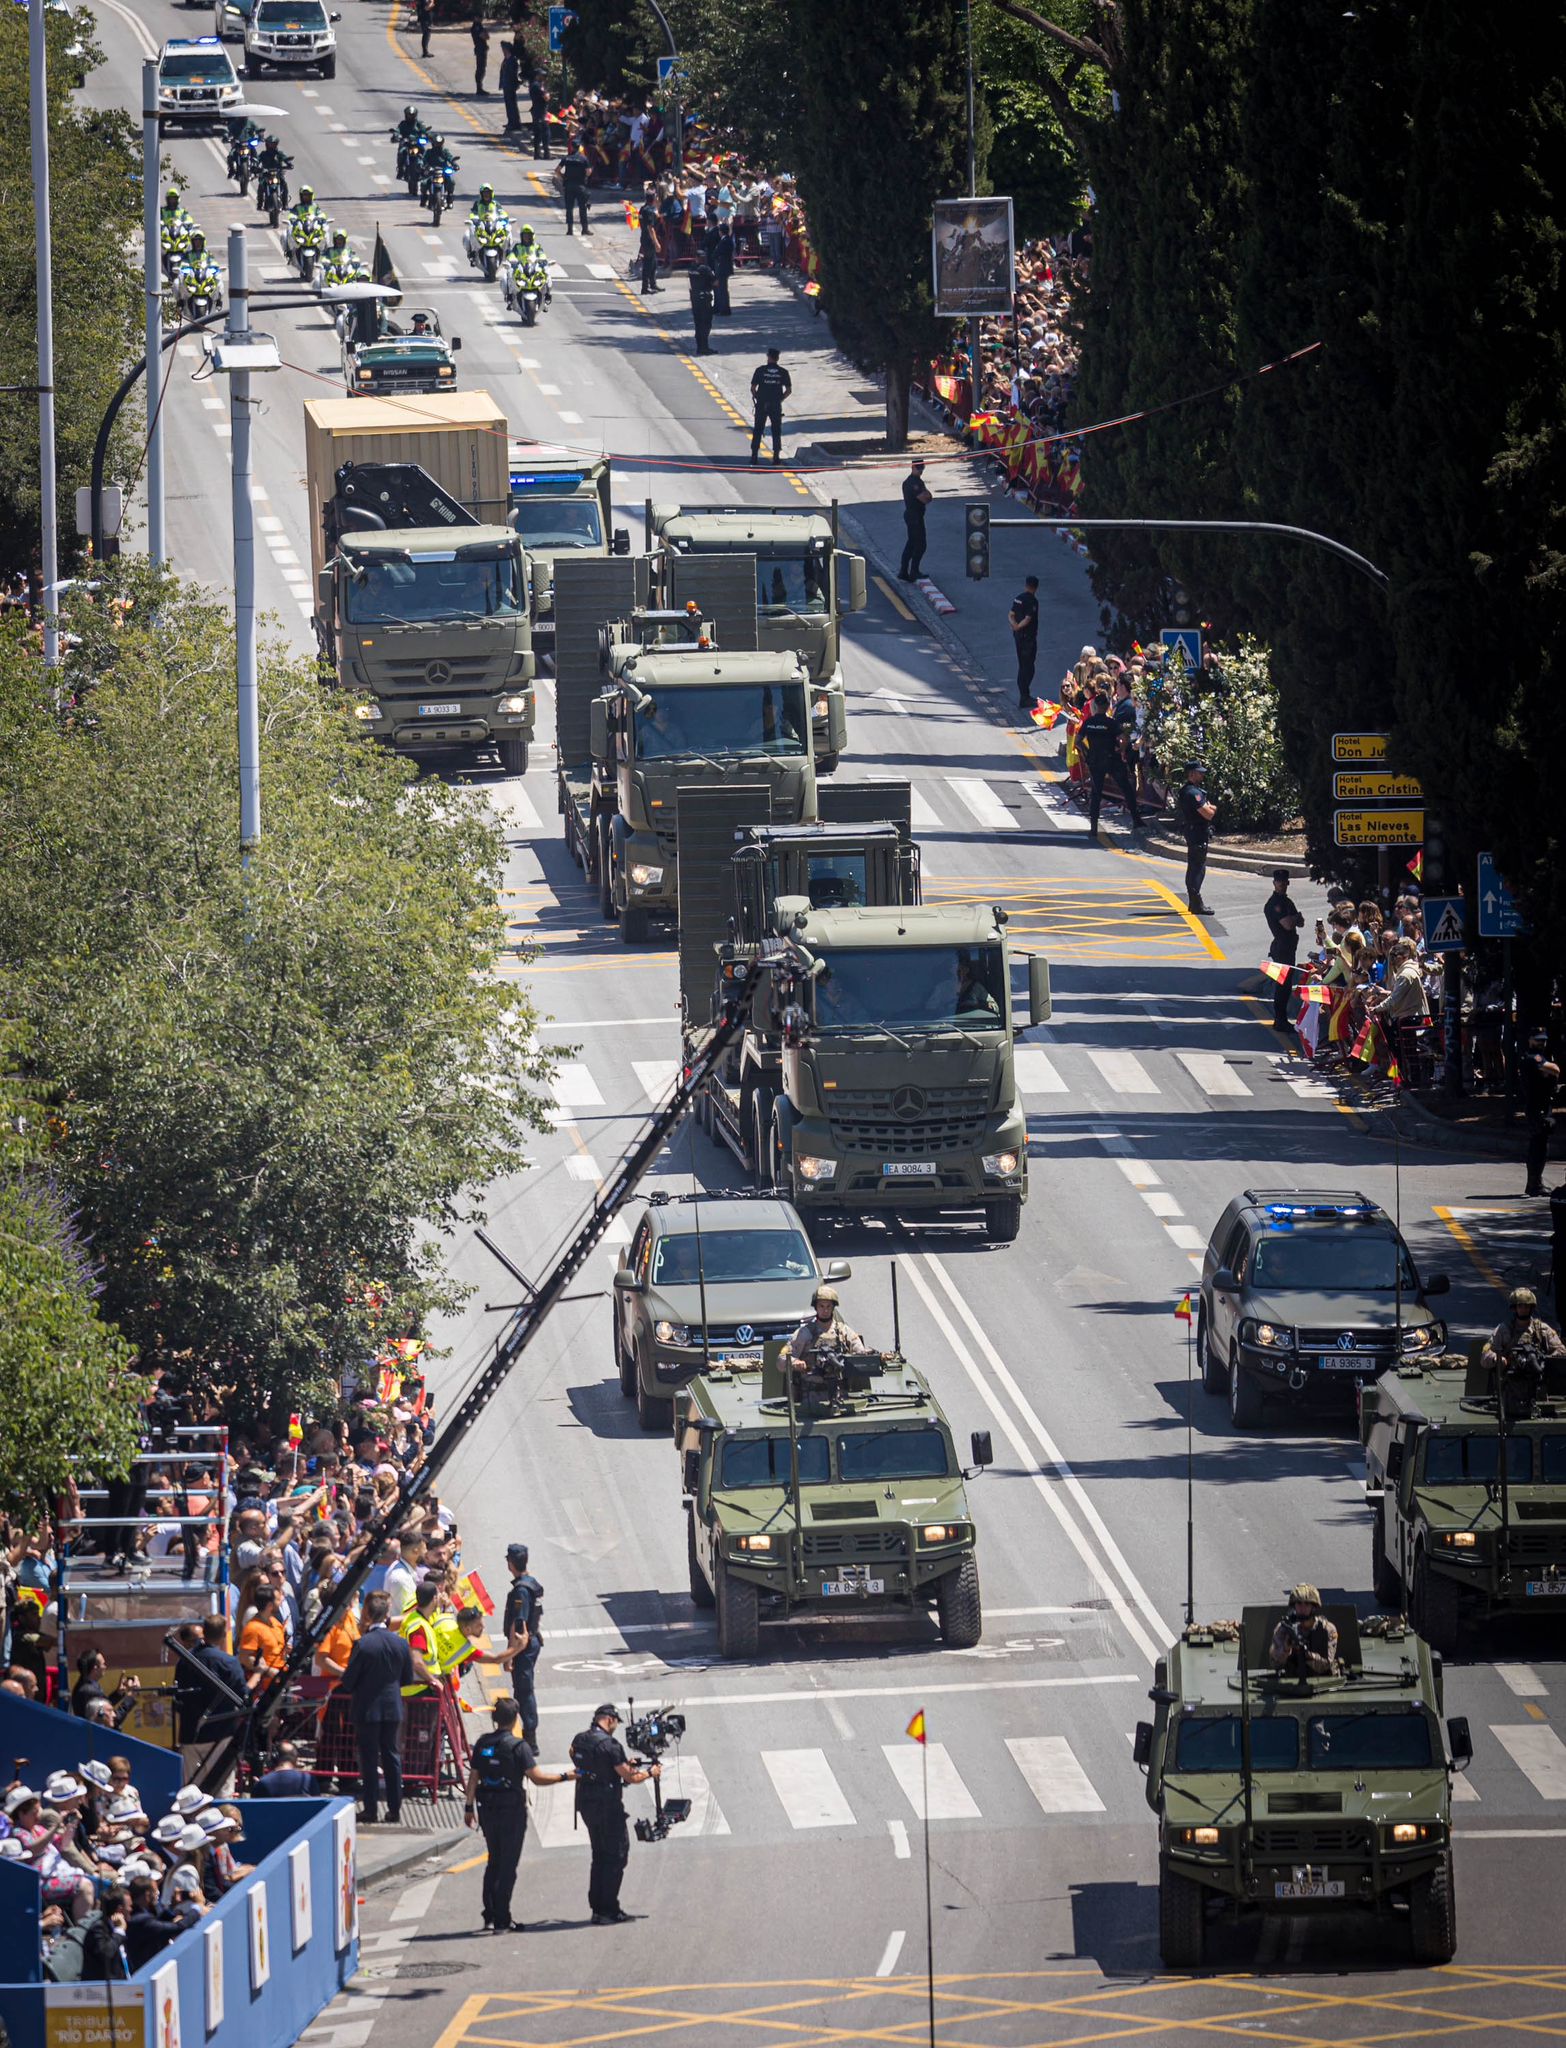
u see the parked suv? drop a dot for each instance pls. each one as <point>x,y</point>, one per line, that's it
<point>290,35</point>
<point>1306,1296</point>
<point>748,1254</point>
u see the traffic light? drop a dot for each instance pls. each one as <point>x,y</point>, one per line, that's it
<point>978,542</point>
<point>1433,868</point>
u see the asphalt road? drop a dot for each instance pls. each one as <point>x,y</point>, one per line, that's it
<point>794,1901</point>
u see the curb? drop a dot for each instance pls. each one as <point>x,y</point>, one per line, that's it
<point>405,1860</point>
<point>1417,1125</point>
<point>910,594</point>
<point>1236,863</point>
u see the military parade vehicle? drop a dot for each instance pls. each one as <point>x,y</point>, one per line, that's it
<point>1282,1794</point>
<point>893,1087</point>
<point>828,1491</point>
<point>708,1280</point>
<point>384,364</point>
<point>560,504</point>
<point>1465,1478</point>
<point>767,577</point>
<point>1305,1296</point>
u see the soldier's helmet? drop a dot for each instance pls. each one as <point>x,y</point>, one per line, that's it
<point>1303,1595</point>
<point>1524,1298</point>
<point>826,1294</point>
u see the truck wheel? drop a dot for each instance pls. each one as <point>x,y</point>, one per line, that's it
<point>739,1617</point>
<point>605,872</point>
<point>957,1605</point>
<point>635,925</point>
<point>701,1592</point>
<point>761,1138</point>
<point>1432,1914</point>
<point>624,1363</point>
<point>1182,1923</point>
<point>1385,1583</point>
<point>651,1413</point>
<point>1003,1218</point>
<point>1434,1609</point>
<point>826,763</point>
<point>1245,1400</point>
<point>1214,1379</point>
<point>512,749</point>
<point>329,68</point>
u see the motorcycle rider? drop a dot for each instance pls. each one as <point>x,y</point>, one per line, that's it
<point>198,275</point>
<point>339,265</point>
<point>175,228</point>
<point>305,219</point>
<point>410,136</point>
<point>275,164</point>
<point>484,211</point>
<point>244,146</point>
<point>528,271</point>
<point>438,159</point>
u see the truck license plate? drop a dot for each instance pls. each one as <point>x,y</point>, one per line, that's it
<point>908,1169</point>
<point>1546,1589</point>
<point>846,1589</point>
<point>1312,1888</point>
<point>439,710</point>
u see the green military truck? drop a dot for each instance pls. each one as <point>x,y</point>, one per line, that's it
<point>767,577</point>
<point>893,1086</point>
<point>1466,1485</point>
<point>1277,1794</point>
<point>829,1491</point>
<point>561,504</point>
<point>666,711</point>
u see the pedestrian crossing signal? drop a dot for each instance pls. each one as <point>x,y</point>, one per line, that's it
<point>978,542</point>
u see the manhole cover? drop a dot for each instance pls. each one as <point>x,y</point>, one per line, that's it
<point>434,1969</point>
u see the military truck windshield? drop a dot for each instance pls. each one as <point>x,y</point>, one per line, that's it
<point>731,1255</point>
<point>1475,1457</point>
<point>558,522</point>
<point>1552,1460</point>
<point>763,1461</point>
<point>423,590</point>
<point>1378,1742</point>
<point>837,881</point>
<point>921,988</point>
<point>1212,1743</point>
<point>724,718</point>
<point>1330,1259</point>
<point>796,586</point>
<point>893,1454</point>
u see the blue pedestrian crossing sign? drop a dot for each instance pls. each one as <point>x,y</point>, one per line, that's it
<point>1445,930</point>
<point>1187,641</point>
<point>666,69</point>
<point>1499,917</point>
<point>559,17</point>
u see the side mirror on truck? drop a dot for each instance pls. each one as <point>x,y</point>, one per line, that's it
<point>620,542</point>
<point>598,728</point>
<point>852,569</point>
<point>1040,1004</point>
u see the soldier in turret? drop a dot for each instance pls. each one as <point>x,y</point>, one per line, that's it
<point>1304,1643</point>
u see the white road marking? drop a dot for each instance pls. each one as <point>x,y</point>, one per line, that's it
<point>922,817</point>
<point>655,1078</point>
<point>898,1829</point>
<point>1123,1071</point>
<point>571,419</point>
<point>550,390</point>
<point>807,1789</point>
<point>267,521</point>
<point>380,178</point>
<point>1055,1778</point>
<point>517,810</point>
<point>1161,1204</point>
<point>1523,1680</point>
<point>431,235</point>
<point>528,362</point>
<point>214,405</point>
<point>818,1696</point>
<point>1538,1753</point>
<point>583,1166</point>
<point>1138,1172</point>
<point>1061,815</point>
<point>893,1949</point>
<point>685,1779</point>
<point>554,1817</point>
<point>1186,1236</point>
<point>1212,1073</point>
<point>434,270</point>
<point>1462,1791</point>
<point>600,270</point>
<point>367,159</point>
<point>1036,1072</point>
<point>574,1087</point>
<point>985,805</point>
<point>950,1798</point>
<point>415,1900</point>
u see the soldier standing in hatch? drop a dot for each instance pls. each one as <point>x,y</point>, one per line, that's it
<point>823,1330</point>
<point>1522,1326</point>
<point>1304,1643</point>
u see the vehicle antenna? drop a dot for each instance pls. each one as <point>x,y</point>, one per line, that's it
<point>701,1262</point>
<point>897,1326</point>
<point>1245,1732</point>
<point>797,1547</point>
<point>1190,1486</point>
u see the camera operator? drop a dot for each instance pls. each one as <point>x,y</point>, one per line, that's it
<point>501,1760</point>
<point>1305,1643</point>
<point>603,1771</point>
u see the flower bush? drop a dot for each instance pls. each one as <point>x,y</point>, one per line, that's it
<point>1226,716</point>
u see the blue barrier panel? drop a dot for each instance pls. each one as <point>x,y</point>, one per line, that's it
<point>52,1741</point>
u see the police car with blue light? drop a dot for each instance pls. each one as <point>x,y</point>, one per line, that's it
<point>197,83</point>
<point>561,505</point>
<point>1307,1295</point>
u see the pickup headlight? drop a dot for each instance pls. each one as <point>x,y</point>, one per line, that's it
<point>512,706</point>
<point>1000,1162</point>
<point>672,1333</point>
<point>644,876</point>
<point>364,376</point>
<point>1427,1337</point>
<point>809,1168</point>
<point>367,712</point>
<point>1268,1336</point>
<point>447,370</point>
<point>753,1543</point>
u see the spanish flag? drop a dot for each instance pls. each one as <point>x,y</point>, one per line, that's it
<point>915,1727</point>
<point>1183,1307</point>
<point>1416,867</point>
<point>472,1592</point>
<point>295,1430</point>
<point>1275,970</point>
<point>1045,713</point>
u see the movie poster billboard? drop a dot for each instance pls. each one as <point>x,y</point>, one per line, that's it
<point>974,255</point>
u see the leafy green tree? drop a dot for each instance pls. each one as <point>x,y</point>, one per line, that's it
<point>611,44</point>
<point>742,71</point>
<point>1022,77</point>
<point>277,1085</point>
<point>94,169</point>
<point>1234,728</point>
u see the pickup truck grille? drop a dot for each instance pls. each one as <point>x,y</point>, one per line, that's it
<point>849,1546</point>
<point>1310,1844</point>
<point>871,1120</point>
<point>1382,1342</point>
<point>728,1337</point>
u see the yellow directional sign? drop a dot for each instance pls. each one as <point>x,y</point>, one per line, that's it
<point>1376,786</point>
<point>1378,828</point>
<point>1359,746</point>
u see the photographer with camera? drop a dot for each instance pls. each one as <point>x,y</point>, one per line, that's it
<point>1304,1643</point>
<point>603,1772</point>
<point>496,1799</point>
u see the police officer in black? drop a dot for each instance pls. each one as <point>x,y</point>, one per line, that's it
<point>603,1771</point>
<point>1097,741</point>
<point>1540,1077</point>
<point>916,495</point>
<point>769,386</point>
<point>1023,619</point>
<point>495,1798</point>
<point>522,1625</point>
<point>722,263</point>
<point>703,295</point>
<point>1196,810</point>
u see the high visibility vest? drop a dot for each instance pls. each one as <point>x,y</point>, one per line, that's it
<point>440,1642</point>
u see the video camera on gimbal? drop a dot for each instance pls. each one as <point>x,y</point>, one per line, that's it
<point>648,1735</point>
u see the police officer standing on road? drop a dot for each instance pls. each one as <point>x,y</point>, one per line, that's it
<point>603,1771</point>
<point>1540,1077</point>
<point>538,106</point>
<point>916,495</point>
<point>1098,737</point>
<point>1023,618</point>
<point>495,1798</point>
<point>1284,922</point>
<point>424,14</point>
<point>571,175</point>
<point>722,261</point>
<point>648,251</point>
<point>480,35</point>
<point>769,386</point>
<point>522,1625</point>
<point>823,1330</point>
<point>703,292</point>
<point>1196,811</point>
<point>1305,1643</point>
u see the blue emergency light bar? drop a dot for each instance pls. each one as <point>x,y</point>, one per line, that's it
<point>554,481</point>
<point>1320,1209</point>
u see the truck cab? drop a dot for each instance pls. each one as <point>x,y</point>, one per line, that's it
<point>561,505</point>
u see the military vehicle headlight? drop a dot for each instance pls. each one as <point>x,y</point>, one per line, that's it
<point>1268,1335</point>
<point>645,877</point>
<point>1460,1539</point>
<point>813,1169</point>
<point>513,706</point>
<point>672,1333</point>
<point>1409,1831</point>
<point>754,1543</point>
<point>367,711</point>
<point>1200,1838</point>
<point>938,1532</point>
<point>1000,1162</point>
<point>819,708</point>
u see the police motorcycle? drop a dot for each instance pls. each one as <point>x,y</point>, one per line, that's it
<point>272,181</point>
<point>437,178</point>
<point>307,234</point>
<point>486,239</point>
<point>526,282</point>
<point>244,154</point>
<point>198,290</point>
<point>340,266</point>
<point>410,136</point>
<point>175,228</point>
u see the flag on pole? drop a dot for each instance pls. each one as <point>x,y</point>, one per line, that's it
<point>1275,970</point>
<point>1183,1307</point>
<point>472,1592</point>
<point>916,1726</point>
<point>295,1430</point>
<point>1416,867</point>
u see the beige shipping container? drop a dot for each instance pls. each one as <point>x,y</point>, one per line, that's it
<point>457,437</point>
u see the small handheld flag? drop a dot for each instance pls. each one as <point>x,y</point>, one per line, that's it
<point>295,1430</point>
<point>1275,970</point>
<point>916,1726</point>
<point>1183,1307</point>
<point>1044,714</point>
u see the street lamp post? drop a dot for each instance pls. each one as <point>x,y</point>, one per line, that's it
<point>152,271</point>
<point>677,124</point>
<point>48,482</point>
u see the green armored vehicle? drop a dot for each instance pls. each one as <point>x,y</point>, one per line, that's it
<point>823,1492</point>
<point>768,577</point>
<point>1278,1794</point>
<point>1462,1530</point>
